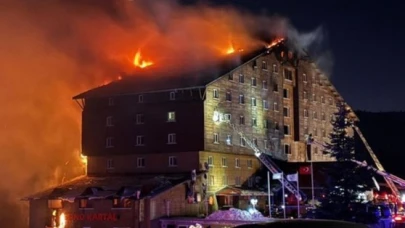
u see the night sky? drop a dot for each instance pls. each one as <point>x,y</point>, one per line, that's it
<point>366,38</point>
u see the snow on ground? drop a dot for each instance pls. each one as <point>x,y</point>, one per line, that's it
<point>237,214</point>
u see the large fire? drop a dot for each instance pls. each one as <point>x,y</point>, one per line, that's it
<point>275,42</point>
<point>140,62</point>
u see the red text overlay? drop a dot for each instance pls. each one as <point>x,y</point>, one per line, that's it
<point>91,217</point>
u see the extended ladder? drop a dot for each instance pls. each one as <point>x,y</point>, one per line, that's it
<point>266,160</point>
<point>377,162</point>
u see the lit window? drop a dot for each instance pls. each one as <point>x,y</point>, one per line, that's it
<point>229,140</point>
<point>172,161</point>
<point>109,121</point>
<point>210,161</point>
<point>254,82</point>
<point>109,142</point>
<point>224,162</point>
<point>140,140</point>
<point>216,138</point>
<point>172,96</point>
<point>171,116</point>
<point>171,138</point>
<point>241,99</point>
<point>254,102</point>
<point>140,162</point>
<point>237,163</point>
<point>215,94</point>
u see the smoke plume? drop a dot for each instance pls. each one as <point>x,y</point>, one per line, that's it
<point>55,49</point>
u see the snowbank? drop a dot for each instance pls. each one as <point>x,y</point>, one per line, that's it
<point>237,214</point>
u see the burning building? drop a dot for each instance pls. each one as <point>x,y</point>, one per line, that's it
<point>158,147</point>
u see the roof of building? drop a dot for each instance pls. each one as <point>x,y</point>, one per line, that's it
<point>109,187</point>
<point>238,191</point>
<point>148,81</point>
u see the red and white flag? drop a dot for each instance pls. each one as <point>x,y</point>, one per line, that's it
<point>305,170</point>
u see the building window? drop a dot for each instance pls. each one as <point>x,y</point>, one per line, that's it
<point>305,113</point>
<point>241,99</point>
<point>172,96</point>
<point>212,180</point>
<point>250,164</point>
<point>275,87</point>
<point>254,140</point>
<point>286,93</point>
<point>140,119</point>
<point>254,122</point>
<point>288,74</point>
<point>275,106</point>
<point>237,163</point>
<point>171,116</point>
<point>254,82</point>
<point>111,101</point>
<point>228,96</point>
<point>224,162</point>
<point>140,162</point>
<point>171,138</point>
<point>276,126</point>
<point>229,140</point>
<point>242,141</point>
<point>286,111</point>
<point>266,144</point>
<point>254,102</point>
<point>110,164</point>
<point>172,161</point>
<point>109,121</point>
<point>265,105</point>
<point>237,181</point>
<point>287,130</point>
<point>224,180</point>
<point>264,85</point>
<point>241,78</point>
<point>323,133</point>
<point>314,97</point>
<point>265,124</point>
<point>322,99</point>
<point>230,76</point>
<point>275,68</point>
<point>140,98</point>
<point>109,142</point>
<point>315,115</point>
<point>140,140</point>
<point>287,149</point>
<point>264,65</point>
<point>210,161</point>
<point>305,95</point>
<point>227,117</point>
<point>215,94</point>
<point>241,120</point>
<point>323,117</point>
<point>216,138</point>
<point>304,78</point>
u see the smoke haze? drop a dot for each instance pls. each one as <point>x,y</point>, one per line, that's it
<point>52,50</point>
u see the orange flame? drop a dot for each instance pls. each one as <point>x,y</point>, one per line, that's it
<point>62,221</point>
<point>231,49</point>
<point>139,62</point>
<point>275,42</point>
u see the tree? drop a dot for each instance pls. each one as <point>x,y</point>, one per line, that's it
<point>345,178</point>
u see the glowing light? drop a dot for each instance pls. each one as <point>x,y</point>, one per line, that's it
<point>253,202</point>
<point>139,62</point>
<point>62,220</point>
<point>403,198</point>
<point>275,42</point>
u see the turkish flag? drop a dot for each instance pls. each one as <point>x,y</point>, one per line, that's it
<point>305,170</point>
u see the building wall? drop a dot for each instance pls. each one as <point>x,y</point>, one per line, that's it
<point>220,175</point>
<point>123,128</point>
<point>153,163</point>
<point>38,213</point>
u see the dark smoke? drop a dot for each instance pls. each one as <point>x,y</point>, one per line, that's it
<point>54,49</point>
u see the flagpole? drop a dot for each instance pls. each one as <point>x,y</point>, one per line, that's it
<point>269,192</point>
<point>298,200</point>
<point>312,184</point>
<point>282,182</point>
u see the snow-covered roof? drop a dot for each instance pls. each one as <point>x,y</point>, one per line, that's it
<point>114,186</point>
